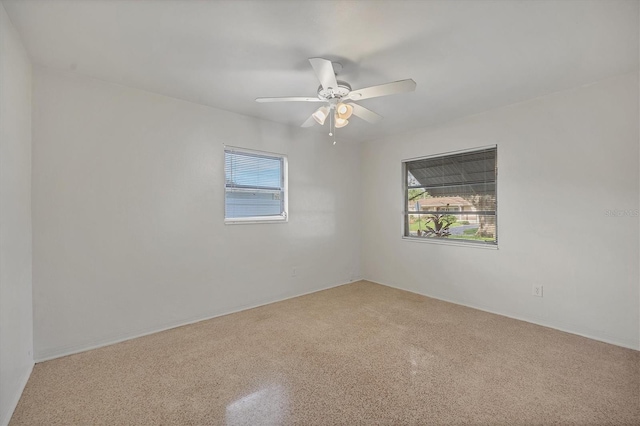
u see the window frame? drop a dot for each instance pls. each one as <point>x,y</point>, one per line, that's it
<point>281,218</point>
<point>453,242</point>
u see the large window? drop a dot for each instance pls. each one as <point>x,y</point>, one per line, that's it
<point>452,197</point>
<point>255,186</point>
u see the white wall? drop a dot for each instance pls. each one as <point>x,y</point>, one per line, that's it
<point>128,200</point>
<point>16,332</point>
<point>563,160</point>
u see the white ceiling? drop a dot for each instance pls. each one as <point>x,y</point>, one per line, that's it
<point>466,56</point>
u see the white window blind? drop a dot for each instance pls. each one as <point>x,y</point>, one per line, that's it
<point>255,186</point>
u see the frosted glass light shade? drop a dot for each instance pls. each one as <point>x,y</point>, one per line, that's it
<point>320,115</point>
<point>341,122</point>
<point>344,110</point>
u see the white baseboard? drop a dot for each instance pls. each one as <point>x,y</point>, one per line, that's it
<point>14,403</point>
<point>54,353</point>
<point>565,327</point>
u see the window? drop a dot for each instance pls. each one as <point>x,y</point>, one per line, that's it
<point>452,197</point>
<point>255,186</point>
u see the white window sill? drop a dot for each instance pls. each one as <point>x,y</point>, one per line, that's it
<point>254,220</point>
<point>451,243</point>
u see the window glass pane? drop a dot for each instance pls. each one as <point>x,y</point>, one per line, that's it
<point>252,204</point>
<point>254,185</point>
<point>452,197</point>
<point>468,227</point>
<point>247,170</point>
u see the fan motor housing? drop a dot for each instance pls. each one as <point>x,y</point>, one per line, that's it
<point>339,92</point>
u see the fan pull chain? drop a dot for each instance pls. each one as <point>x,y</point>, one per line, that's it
<point>331,122</point>
<point>332,126</point>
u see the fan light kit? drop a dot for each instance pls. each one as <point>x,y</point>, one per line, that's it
<point>338,97</point>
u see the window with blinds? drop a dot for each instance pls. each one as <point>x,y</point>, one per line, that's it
<point>452,197</point>
<point>255,186</point>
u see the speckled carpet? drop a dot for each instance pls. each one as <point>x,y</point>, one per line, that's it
<point>356,354</point>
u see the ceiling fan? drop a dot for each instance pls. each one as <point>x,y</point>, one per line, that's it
<point>339,98</point>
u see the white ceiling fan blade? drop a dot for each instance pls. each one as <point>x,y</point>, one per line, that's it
<point>401,86</point>
<point>364,113</point>
<point>310,122</point>
<point>325,73</point>
<point>289,99</point>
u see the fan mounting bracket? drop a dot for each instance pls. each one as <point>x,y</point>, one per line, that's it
<point>339,92</point>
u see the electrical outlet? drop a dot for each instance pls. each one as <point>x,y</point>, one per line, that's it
<point>537,290</point>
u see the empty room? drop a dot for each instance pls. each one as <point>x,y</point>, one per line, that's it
<point>279,212</point>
